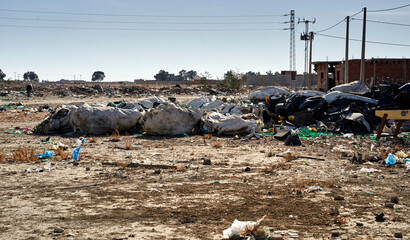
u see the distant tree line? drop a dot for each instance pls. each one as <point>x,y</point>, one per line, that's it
<point>183,75</point>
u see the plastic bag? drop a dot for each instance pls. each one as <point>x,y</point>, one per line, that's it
<point>46,154</point>
<point>390,160</point>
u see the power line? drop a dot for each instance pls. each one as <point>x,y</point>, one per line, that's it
<point>331,26</point>
<point>358,40</point>
<point>383,22</point>
<point>147,29</point>
<point>356,13</point>
<point>135,22</point>
<point>142,15</point>
<point>338,22</point>
<point>389,9</point>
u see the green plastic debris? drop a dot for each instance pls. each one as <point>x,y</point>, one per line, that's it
<point>306,163</point>
<point>216,181</point>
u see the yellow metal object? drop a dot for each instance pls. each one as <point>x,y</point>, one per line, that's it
<point>394,114</point>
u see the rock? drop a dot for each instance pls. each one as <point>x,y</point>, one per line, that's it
<point>87,169</point>
<point>335,234</point>
<point>395,200</point>
<point>276,237</point>
<point>157,171</point>
<point>207,162</point>
<point>380,217</point>
<point>389,204</point>
<point>58,230</point>
<point>338,197</point>
<point>247,169</point>
<point>334,211</point>
<point>359,224</point>
<point>398,235</point>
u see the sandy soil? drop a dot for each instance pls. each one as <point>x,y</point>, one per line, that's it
<point>172,194</point>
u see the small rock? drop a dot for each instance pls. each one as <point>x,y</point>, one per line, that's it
<point>58,230</point>
<point>398,235</point>
<point>389,204</point>
<point>395,200</point>
<point>380,217</point>
<point>76,163</point>
<point>335,234</point>
<point>87,169</point>
<point>338,197</point>
<point>276,237</point>
<point>207,162</point>
<point>334,211</point>
<point>124,176</point>
<point>247,169</point>
<point>131,235</point>
<point>359,224</point>
<point>157,171</point>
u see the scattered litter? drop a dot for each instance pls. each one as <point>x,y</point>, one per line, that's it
<point>390,160</point>
<point>241,228</point>
<point>369,170</point>
<point>313,189</point>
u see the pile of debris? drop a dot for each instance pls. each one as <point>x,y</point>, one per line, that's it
<point>345,109</point>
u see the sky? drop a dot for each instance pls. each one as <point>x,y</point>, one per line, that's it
<point>134,39</point>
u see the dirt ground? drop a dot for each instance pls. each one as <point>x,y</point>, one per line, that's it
<point>194,188</point>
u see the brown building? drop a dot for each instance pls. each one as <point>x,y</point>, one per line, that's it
<point>331,73</point>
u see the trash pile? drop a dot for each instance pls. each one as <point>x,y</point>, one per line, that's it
<point>269,111</point>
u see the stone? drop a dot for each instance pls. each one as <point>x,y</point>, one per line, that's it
<point>247,169</point>
<point>395,200</point>
<point>359,224</point>
<point>398,235</point>
<point>335,234</point>
<point>338,197</point>
<point>157,171</point>
<point>207,161</point>
<point>58,230</point>
<point>389,204</point>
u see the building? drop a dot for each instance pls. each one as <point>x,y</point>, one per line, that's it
<point>331,73</point>
<point>285,78</point>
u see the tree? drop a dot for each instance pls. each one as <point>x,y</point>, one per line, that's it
<point>162,75</point>
<point>269,72</point>
<point>98,76</point>
<point>2,75</point>
<point>191,74</point>
<point>233,80</point>
<point>183,74</point>
<point>30,75</point>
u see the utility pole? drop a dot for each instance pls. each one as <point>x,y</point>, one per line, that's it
<point>292,55</point>
<point>292,62</point>
<point>346,78</point>
<point>310,62</point>
<point>15,76</point>
<point>362,62</point>
<point>305,37</point>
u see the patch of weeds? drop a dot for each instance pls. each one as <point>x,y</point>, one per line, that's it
<point>25,155</point>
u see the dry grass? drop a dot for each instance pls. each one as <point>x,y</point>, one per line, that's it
<point>25,155</point>
<point>330,183</point>
<point>128,144</point>
<point>208,136</point>
<point>122,164</point>
<point>64,154</point>
<point>115,136</point>
<point>217,144</point>
<point>339,220</point>
<point>2,157</point>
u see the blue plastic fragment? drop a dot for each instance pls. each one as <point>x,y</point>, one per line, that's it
<point>46,154</point>
<point>390,160</point>
<point>75,153</point>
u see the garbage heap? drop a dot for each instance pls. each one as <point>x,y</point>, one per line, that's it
<point>347,108</point>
